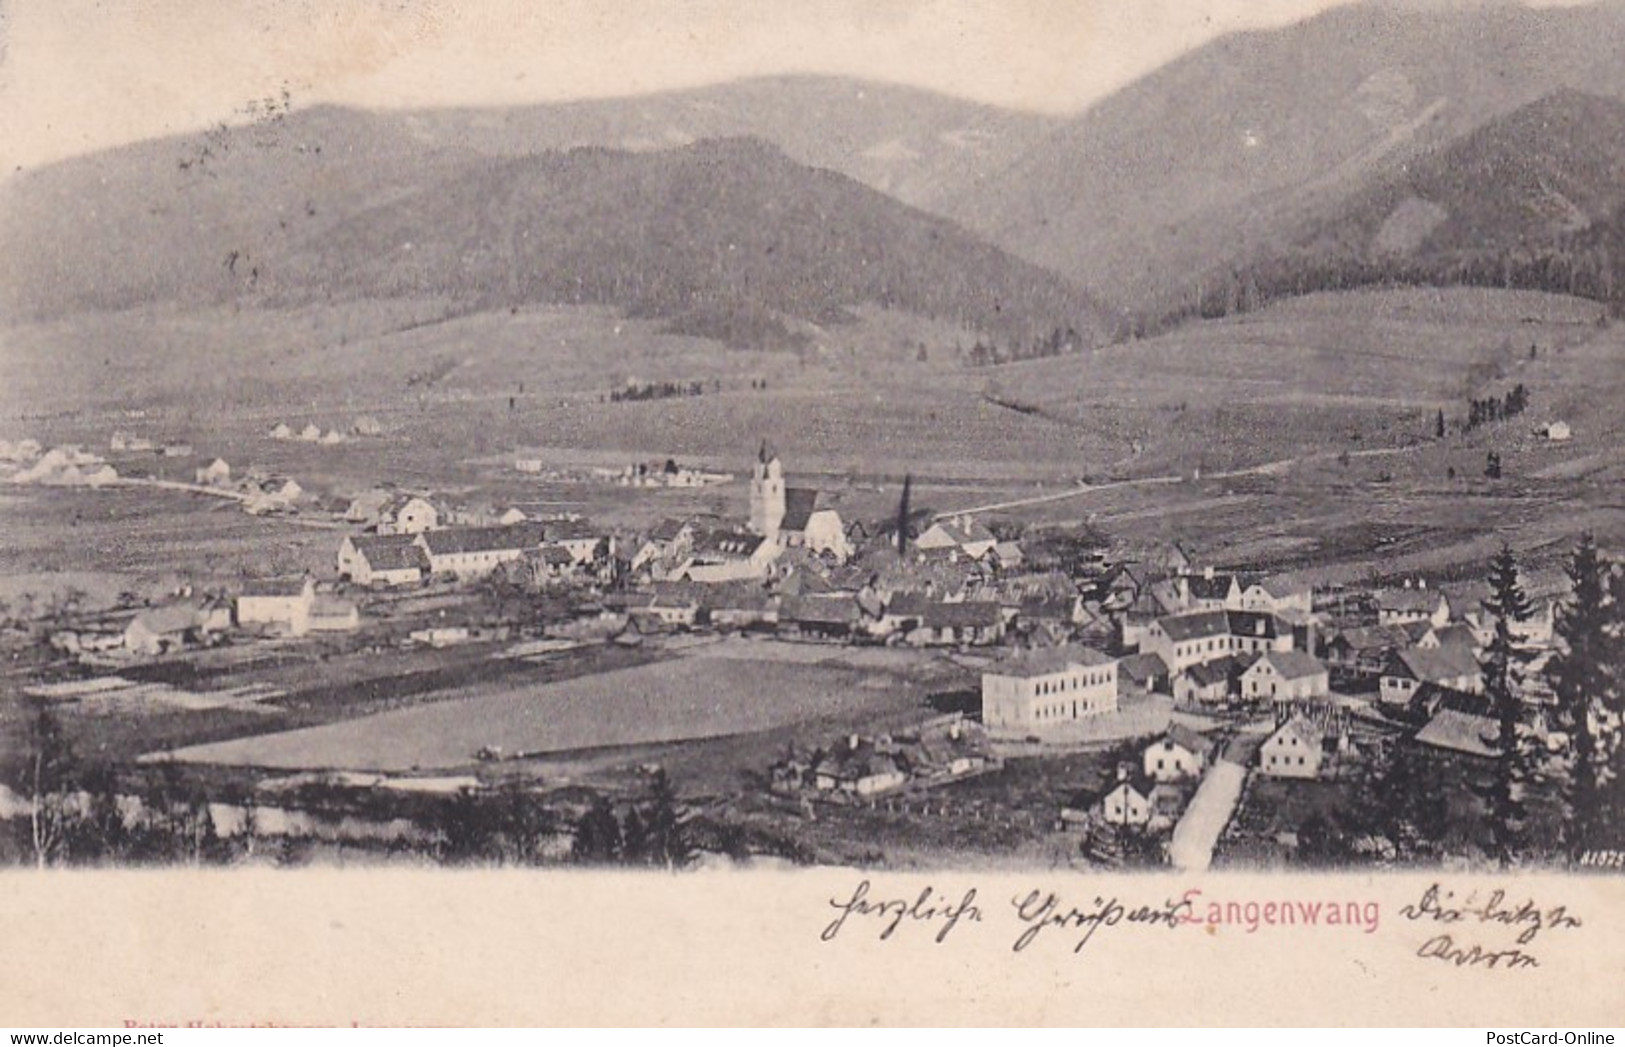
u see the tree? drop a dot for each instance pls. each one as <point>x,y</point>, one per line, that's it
<point>598,835</point>
<point>1438,425</point>
<point>1492,465</point>
<point>52,781</point>
<point>666,841</point>
<point>1584,674</point>
<point>1505,662</point>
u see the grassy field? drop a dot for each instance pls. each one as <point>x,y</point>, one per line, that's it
<point>685,698</point>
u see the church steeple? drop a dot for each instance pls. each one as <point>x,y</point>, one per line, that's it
<point>767,502</point>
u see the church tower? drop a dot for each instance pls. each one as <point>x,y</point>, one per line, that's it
<point>767,494</point>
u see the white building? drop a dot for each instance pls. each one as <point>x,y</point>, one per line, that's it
<point>1048,687</point>
<point>283,604</point>
<point>1285,676</point>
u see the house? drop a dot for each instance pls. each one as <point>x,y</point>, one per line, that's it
<point>834,615</point>
<point>1209,591</point>
<point>1285,676</point>
<point>1459,633</point>
<point>1297,749</point>
<point>279,603</point>
<point>311,433</point>
<point>160,630</point>
<point>366,425</point>
<point>1009,556</point>
<point>1206,683</point>
<point>511,516</point>
<point>333,615</point>
<point>177,450</point>
<point>1367,649</point>
<point>585,543</point>
<point>1557,432</point>
<point>668,542</point>
<point>216,474</point>
<point>727,556</point>
<point>1184,640</point>
<point>965,534</point>
<point>857,769</point>
<point>1180,754</point>
<point>1452,666</point>
<point>1033,690</point>
<point>1136,800</point>
<point>1254,632</point>
<point>282,432</point>
<point>472,552</point>
<point>1276,595</point>
<point>1148,672</point>
<point>1461,723</point>
<point>1413,604</point>
<point>383,559</point>
<point>975,622</point>
<point>673,607</point>
<point>406,514</point>
<point>738,605</point>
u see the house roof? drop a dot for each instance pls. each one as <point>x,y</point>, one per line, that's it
<point>1293,665</point>
<point>1260,624</point>
<point>452,541</point>
<point>1206,674</point>
<point>668,530</point>
<point>1215,588</point>
<point>965,530</point>
<point>737,545</point>
<point>1046,661</point>
<point>737,596</point>
<point>571,530</point>
<point>1461,732</point>
<point>1142,667</point>
<point>331,607</point>
<point>1414,601</point>
<point>799,505</point>
<point>1180,627</point>
<point>1432,664</point>
<point>276,587</point>
<point>1049,608</point>
<point>839,609</point>
<point>1281,586</point>
<point>1303,729</point>
<point>966,614</point>
<point>390,552</point>
<point>1187,739</point>
<point>1372,638</point>
<point>1455,633</point>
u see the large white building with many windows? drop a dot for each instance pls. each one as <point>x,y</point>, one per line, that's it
<point>1044,688</point>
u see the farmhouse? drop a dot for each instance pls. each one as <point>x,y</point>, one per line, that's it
<point>383,559</point>
<point>472,552</point>
<point>674,607</point>
<point>160,630</point>
<point>1184,640</point>
<point>1285,676</point>
<point>1179,754</point>
<point>1145,671</point>
<point>805,525</point>
<point>216,474</point>
<point>585,543</point>
<point>957,622</point>
<point>1296,750</point>
<point>1450,666</point>
<point>281,432</point>
<point>1366,649</point>
<point>1207,683</point>
<point>1208,592</point>
<point>834,615</point>
<point>1047,687</point>
<point>1136,800</point>
<point>1557,432</point>
<point>283,604</point>
<point>963,534</point>
<point>407,514</point>
<point>736,605</point>
<point>1276,595</point>
<point>1398,606</point>
<point>727,556</point>
<point>333,615</point>
<point>1462,723</point>
<point>857,769</point>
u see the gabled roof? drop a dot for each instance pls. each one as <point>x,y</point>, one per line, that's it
<point>1206,674</point>
<point>1215,588</point>
<point>737,596</point>
<point>276,587</point>
<point>737,545</point>
<point>1432,664</point>
<point>668,531</point>
<point>1196,624</point>
<point>799,505</point>
<point>1257,624</point>
<point>571,530</point>
<point>1142,667</point>
<point>1307,733</point>
<point>965,530</point>
<point>1461,732</point>
<point>969,614</point>
<point>1046,661</point>
<point>390,552</point>
<point>453,541</point>
<point>1413,601</point>
<point>838,609</point>
<point>1187,739</point>
<point>1455,633</point>
<point>1292,665</point>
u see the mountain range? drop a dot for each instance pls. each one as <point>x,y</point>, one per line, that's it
<point>1375,141</point>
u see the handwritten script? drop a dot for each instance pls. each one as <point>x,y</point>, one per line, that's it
<point>1485,928</point>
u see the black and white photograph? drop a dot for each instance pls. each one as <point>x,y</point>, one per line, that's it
<point>1059,438</point>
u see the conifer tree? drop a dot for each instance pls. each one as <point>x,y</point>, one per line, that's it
<point>1585,675</point>
<point>1505,661</point>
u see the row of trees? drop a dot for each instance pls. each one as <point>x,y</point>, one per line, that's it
<point>634,392</point>
<point>1059,341</point>
<point>1496,408</point>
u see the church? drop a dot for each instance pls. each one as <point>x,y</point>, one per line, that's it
<point>790,516</point>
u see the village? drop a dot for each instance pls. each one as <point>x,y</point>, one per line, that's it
<point>1174,703</point>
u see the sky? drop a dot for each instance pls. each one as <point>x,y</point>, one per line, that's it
<point>81,75</point>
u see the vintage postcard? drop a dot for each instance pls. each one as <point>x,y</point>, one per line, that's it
<point>905,512</point>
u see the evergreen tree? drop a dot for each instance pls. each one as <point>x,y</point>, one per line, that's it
<point>1505,661</point>
<point>598,835</point>
<point>668,843</point>
<point>1438,425</point>
<point>1585,676</point>
<point>52,781</point>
